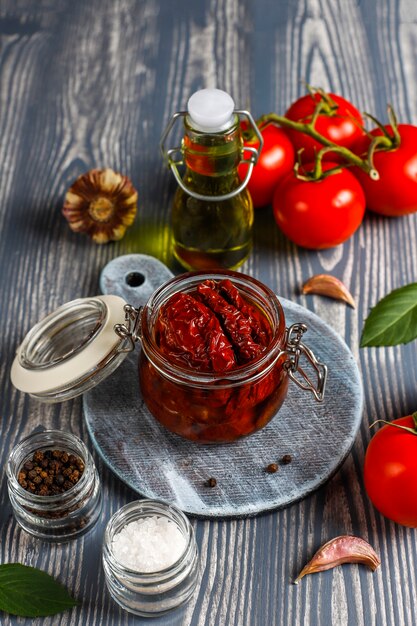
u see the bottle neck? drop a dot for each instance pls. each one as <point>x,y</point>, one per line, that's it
<point>212,155</point>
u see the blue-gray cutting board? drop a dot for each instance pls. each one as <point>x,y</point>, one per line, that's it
<point>158,464</point>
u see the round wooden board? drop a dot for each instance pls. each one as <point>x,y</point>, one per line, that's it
<point>158,464</point>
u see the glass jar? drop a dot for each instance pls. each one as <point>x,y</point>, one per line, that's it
<point>213,407</point>
<point>205,407</point>
<point>151,593</point>
<point>62,516</point>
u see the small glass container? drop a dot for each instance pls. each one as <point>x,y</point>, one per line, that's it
<point>62,516</point>
<point>155,593</point>
<point>222,407</point>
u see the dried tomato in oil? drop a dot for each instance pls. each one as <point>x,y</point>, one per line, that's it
<point>212,329</point>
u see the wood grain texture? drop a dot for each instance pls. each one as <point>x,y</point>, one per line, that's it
<point>93,84</point>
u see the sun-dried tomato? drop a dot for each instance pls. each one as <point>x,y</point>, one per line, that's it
<point>236,325</point>
<point>209,332</point>
<point>260,328</point>
<point>190,334</point>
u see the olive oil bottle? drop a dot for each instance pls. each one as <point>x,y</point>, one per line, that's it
<point>212,213</point>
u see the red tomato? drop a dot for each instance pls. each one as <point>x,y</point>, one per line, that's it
<point>276,160</point>
<point>390,472</point>
<point>343,125</point>
<point>319,214</point>
<point>395,193</point>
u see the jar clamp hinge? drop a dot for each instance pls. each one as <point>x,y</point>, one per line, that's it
<point>295,350</point>
<point>130,330</point>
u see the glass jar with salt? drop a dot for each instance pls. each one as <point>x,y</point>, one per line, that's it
<point>150,558</point>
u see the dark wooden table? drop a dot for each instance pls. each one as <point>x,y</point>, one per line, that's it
<point>92,84</point>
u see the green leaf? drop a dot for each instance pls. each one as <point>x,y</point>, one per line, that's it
<point>30,592</point>
<point>393,320</point>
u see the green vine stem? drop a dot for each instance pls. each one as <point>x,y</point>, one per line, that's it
<point>413,431</point>
<point>382,142</point>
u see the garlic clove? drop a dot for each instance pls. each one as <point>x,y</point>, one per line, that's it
<point>343,549</point>
<point>327,285</point>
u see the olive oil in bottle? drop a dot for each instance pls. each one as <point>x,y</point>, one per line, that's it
<point>212,214</point>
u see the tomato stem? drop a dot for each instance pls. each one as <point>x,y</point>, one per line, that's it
<point>373,147</point>
<point>326,106</point>
<point>318,173</point>
<point>388,141</point>
<point>394,125</point>
<point>329,146</point>
<point>381,127</point>
<point>413,431</point>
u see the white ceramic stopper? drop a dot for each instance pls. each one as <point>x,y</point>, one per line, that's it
<point>211,110</point>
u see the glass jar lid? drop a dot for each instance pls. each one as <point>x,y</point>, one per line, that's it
<point>74,348</point>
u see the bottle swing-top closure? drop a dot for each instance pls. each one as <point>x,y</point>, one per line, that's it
<point>210,111</point>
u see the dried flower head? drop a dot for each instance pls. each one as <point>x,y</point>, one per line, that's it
<point>102,204</point>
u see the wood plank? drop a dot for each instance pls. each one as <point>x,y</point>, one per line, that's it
<point>93,84</point>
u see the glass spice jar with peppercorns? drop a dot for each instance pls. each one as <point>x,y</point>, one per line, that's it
<point>53,485</point>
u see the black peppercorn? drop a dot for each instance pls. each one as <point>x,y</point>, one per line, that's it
<point>272,468</point>
<point>38,456</point>
<point>212,482</point>
<point>75,476</point>
<point>287,458</point>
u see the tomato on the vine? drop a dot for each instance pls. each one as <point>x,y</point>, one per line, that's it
<point>340,122</point>
<point>395,193</point>
<point>319,214</point>
<point>390,472</point>
<point>276,160</point>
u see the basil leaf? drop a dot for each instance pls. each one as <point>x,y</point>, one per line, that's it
<point>393,320</point>
<point>30,592</point>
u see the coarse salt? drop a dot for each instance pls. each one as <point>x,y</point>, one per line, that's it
<point>149,544</point>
